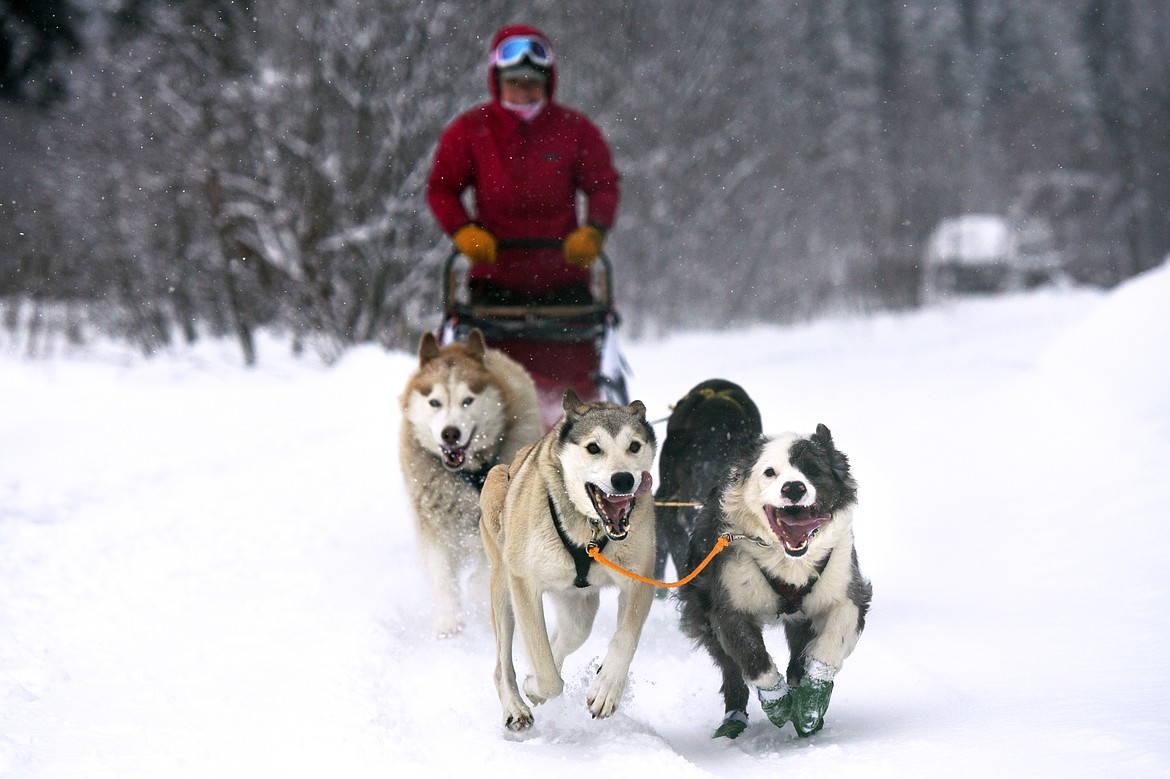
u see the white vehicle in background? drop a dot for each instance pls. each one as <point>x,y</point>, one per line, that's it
<point>988,253</point>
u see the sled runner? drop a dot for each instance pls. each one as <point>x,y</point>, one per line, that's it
<point>561,346</point>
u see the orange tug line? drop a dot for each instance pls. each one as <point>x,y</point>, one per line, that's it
<point>720,544</point>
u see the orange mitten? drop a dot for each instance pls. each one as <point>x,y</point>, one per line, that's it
<point>583,245</point>
<point>476,243</point>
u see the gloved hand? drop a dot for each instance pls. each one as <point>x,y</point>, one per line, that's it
<point>583,245</point>
<point>476,243</point>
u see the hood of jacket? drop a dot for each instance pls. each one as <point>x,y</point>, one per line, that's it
<point>508,32</point>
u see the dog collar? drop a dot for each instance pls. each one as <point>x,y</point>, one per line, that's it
<point>580,555</point>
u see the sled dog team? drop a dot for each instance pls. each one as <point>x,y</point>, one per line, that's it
<point>771,517</point>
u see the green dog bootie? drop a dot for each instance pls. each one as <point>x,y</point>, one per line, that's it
<point>734,723</point>
<point>774,702</point>
<point>807,705</point>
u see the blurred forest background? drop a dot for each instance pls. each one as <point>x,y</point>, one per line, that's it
<point>176,170</point>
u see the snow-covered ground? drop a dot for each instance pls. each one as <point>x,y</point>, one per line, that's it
<point>210,571</point>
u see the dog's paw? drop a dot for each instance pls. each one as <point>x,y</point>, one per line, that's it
<point>775,702</point>
<point>518,719</point>
<point>807,705</point>
<point>448,628</point>
<point>538,693</point>
<point>734,723</point>
<point>604,695</point>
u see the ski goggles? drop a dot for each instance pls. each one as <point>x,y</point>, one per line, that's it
<point>515,50</point>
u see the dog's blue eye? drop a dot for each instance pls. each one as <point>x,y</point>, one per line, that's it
<point>435,403</point>
<point>593,449</point>
<point>635,447</point>
<point>467,402</point>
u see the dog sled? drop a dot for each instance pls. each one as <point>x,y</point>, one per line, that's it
<point>560,346</point>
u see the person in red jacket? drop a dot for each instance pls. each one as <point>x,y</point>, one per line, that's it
<point>526,158</point>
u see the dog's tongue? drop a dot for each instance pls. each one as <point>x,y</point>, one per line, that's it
<point>618,502</point>
<point>795,534</point>
<point>615,513</point>
<point>646,485</point>
<point>795,529</point>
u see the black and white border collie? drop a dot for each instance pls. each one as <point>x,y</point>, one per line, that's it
<point>789,510</point>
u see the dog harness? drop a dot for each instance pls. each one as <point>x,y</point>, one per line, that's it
<point>580,555</point>
<point>476,479</point>
<point>791,596</point>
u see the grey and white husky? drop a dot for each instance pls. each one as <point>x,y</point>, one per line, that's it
<point>465,409</point>
<point>789,508</point>
<point>586,482</point>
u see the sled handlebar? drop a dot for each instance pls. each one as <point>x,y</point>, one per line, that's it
<point>602,270</point>
<point>529,243</point>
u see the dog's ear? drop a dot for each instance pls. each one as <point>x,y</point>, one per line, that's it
<point>637,408</point>
<point>475,344</point>
<point>571,403</point>
<point>428,348</point>
<point>837,459</point>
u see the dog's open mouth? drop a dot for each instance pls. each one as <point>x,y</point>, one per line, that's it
<point>454,457</point>
<point>615,510</point>
<point>454,454</point>
<point>796,525</point>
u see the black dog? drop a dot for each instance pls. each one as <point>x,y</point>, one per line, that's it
<point>712,426</point>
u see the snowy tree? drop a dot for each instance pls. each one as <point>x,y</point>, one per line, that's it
<point>221,166</point>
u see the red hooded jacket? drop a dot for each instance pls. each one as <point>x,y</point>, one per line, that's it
<point>525,176</point>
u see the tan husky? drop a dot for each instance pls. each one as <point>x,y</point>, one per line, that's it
<point>464,410</point>
<point>587,481</point>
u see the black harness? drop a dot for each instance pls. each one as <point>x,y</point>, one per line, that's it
<point>580,554</point>
<point>476,479</point>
